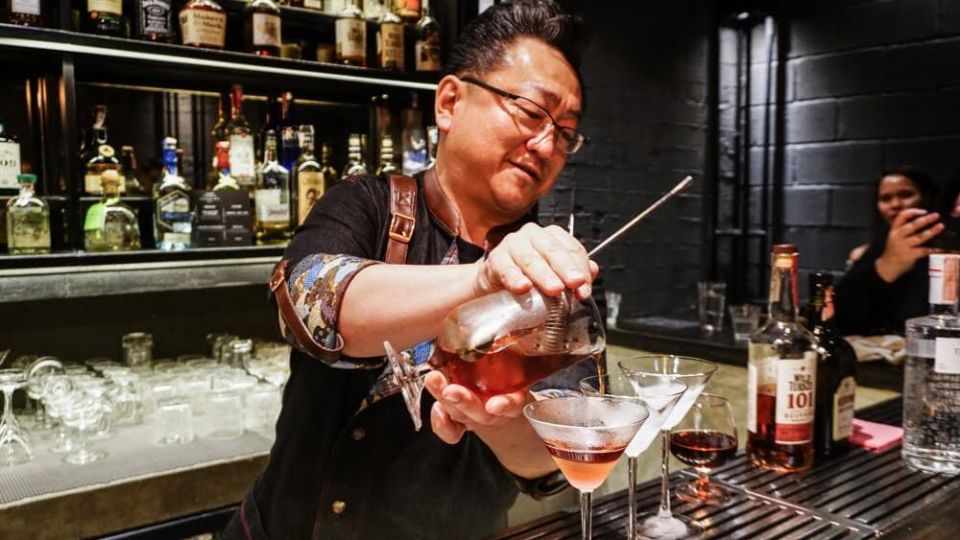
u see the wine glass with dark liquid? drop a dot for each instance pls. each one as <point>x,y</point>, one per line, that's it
<point>705,439</point>
<point>502,343</point>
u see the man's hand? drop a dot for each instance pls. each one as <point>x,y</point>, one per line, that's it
<point>545,257</point>
<point>909,230</point>
<point>458,410</point>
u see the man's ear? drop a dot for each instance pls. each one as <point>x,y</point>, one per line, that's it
<point>448,95</point>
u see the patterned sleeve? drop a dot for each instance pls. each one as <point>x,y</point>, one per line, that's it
<point>316,285</point>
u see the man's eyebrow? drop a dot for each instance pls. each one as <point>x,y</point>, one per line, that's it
<point>552,99</point>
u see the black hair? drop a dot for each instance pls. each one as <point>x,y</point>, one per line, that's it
<point>482,44</point>
<point>928,188</point>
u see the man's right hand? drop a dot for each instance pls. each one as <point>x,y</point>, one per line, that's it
<point>910,230</point>
<point>545,257</point>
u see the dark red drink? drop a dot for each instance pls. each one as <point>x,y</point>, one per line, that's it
<point>703,449</point>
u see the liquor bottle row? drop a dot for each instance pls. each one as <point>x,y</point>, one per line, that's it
<point>800,382</point>
<point>204,23</point>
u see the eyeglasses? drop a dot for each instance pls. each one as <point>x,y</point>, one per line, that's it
<point>536,119</point>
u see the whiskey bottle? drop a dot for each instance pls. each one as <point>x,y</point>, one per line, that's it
<point>105,160</point>
<point>203,23</point>
<point>153,20</point>
<point>242,162</point>
<point>28,220</point>
<point>272,196</point>
<point>351,36</point>
<point>408,10</point>
<point>289,138</point>
<point>262,27</point>
<point>308,176</point>
<point>24,12</point>
<point>390,41</point>
<point>781,377</point>
<point>111,225</point>
<point>931,403</point>
<point>174,205</point>
<point>355,164</point>
<point>388,158</point>
<point>427,48</point>
<point>836,373</point>
<point>105,17</point>
<point>9,159</point>
<point>225,181</point>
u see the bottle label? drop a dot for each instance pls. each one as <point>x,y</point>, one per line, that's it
<point>944,278</point>
<point>796,383</point>
<point>351,38</point>
<point>843,401</point>
<point>313,4</point>
<point>241,158</point>
<point>155,17</point>
<point>390,46</point>
<point>26,7</point>
<point>203,28</point>
<point>266,30</point>
<point>428,54</point>
<point>309,189</point>
<point>946,359</point>
<point>9,164</point>
<point>272,206</point>
<point>29,228</point>
<point>173,214</point>
<point>105,6</point>
<point>95,218</point>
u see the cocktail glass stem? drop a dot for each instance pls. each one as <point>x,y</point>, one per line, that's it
<point>665,477</point>
<point>631,497</point>
<point>8,419</point>
<point>586,514</point>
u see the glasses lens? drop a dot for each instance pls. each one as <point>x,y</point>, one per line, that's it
<point>570,140</point>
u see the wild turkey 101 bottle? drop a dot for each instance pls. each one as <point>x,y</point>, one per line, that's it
<point>781,377</point>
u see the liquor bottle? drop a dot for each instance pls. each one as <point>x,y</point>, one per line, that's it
<point>128,163</point>
<point>308,176</point>
<point>105,160</point>
<point>24,12</point>
<point>390,41</point>
<point>218,134</point>
<point>28,220</point>
<point>242,161</point>
<point>153,20</point>
<point>433,141</point>
<point>351,36</point>
<point>105,17</point>
<point>289,139</point>
<point>172,222</point>
<point>931,404</point>
<point>272,196</point>
<point>9,159</point>
<point>388,158</point>
<point>203,23</point>
<point>355,164</point>
<point>836,373</point>
<point>408,10</point>
<point>414,137</point>
<point>225,181</point>
<point>262,27</point>
<point>111,225</point>
<point>781,377</point>
<point>428,41</point>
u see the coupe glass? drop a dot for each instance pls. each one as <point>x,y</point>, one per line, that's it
<point>14,447</point>
<point>502,343</point>
<point>660,395</point>
<point>585,435</point>
<point>704,440</point>
<point>694,374</point>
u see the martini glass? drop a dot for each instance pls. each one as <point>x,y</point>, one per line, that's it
<point>694,374</point>
<point>585,435</point>
<point>14,448</point>
<point>502,343</point>
<point>660,394</point>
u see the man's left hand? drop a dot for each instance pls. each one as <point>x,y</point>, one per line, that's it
<point>458,409</point>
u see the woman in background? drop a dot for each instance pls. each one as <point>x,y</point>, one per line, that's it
<point>886,282</point>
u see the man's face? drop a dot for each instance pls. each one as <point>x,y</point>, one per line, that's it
<point>510,167</point>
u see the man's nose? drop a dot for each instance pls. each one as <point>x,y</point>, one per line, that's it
<point>544,144</point>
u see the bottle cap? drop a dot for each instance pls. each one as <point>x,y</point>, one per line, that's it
<point>27,178</point>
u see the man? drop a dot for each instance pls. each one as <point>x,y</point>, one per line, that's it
<point>346,462</point>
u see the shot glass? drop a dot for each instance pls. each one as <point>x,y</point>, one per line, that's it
<point>745,319</point>
<point>223,417</point>
<point>712,297</point>
<point>173,421</point>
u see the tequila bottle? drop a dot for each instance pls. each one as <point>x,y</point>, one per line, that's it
<point>28,220</point>
<point>9,160</point>
<point>309,176</point>
<point>111,225</point>
<point>242,162</point>
<point>351,36</point>
<point>355,164</point>
<point>105,160</point>
<point>931,378</point>
<point>427,49</point>
<point>174,206</point>
<point>272,196</point>
<point>781,377</point>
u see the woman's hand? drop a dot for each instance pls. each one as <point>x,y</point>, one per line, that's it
<point>910,229</point>
<point>458,410</point>
<point>545,257</point>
